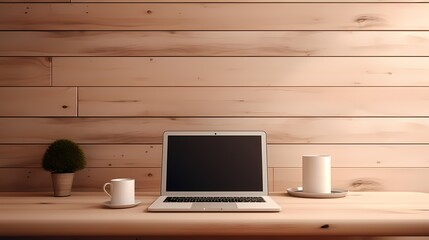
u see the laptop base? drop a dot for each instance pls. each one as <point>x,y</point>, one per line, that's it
<point>160,206</point>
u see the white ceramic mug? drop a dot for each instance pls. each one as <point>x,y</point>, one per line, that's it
<point>121,191</point>
<point>316,173</point>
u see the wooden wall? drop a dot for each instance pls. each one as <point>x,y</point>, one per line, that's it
<point>347,78</point>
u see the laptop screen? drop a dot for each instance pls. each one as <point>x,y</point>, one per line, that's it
<point>214,163</point>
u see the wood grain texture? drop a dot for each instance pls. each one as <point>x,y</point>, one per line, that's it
<point>361,213</point>
<point>253,101</point>
<point>270,180</point>
<point>89,179</point>
<point>23,71</point>
<point>279,130</point>
<point>129,156</point>
<point>214,43</point>
<point>347,79</point>
<point>21,156</point>
<point>107,156</point>
<point>40,101</point>
<point>35,1</point>
<point>228,238</point>
<point>149,179</point>
<point>219,238</point>
<point>214,16</point>
<point>241,71</point>
<point>247,1</point>
<point>360,179</point>
<point>351,156</point>
<point>279,155</point>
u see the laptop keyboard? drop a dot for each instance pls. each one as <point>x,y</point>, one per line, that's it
<point>214,199</point>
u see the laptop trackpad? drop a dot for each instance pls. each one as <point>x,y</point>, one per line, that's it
<point>213,206</point>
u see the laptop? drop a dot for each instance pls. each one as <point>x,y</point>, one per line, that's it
<point>214,171</point>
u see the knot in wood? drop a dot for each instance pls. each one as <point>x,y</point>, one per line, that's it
<point>325,226</point>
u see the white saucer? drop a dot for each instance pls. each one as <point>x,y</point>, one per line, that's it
<point>107,204</point>
<point>335,193</point>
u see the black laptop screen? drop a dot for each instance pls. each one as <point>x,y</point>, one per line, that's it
<point>214,163</point>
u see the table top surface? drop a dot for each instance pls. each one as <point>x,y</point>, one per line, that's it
<point>359,213</point>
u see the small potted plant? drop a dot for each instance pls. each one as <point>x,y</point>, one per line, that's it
<point>62,158</point>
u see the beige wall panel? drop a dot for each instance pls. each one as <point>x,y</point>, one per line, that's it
<point>253,101</point>
<point>40,101</point>
<point>24,179</point>
<point>112,156</point>
<point>361,179</point>
<point>270,179</point>
<point>34,1</point>
<point>89,179</point>
<point>93,179</point>
<point>215,16</point>
<point>222,237</point>
<point>280,130</point>
<point>241,71</point>
<point>214,43</point>
<point>25,71</point>
<point>352,155</point>
<point>254,1</point>
<point>218,238</point>
<point>123,155</point>
<point>21,156</point>
<point>96,155</point>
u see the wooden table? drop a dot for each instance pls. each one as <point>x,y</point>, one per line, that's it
<point>82,214</point>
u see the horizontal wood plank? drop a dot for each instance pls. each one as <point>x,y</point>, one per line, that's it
<point>35,1</point>
<point>25,71</point>
<point>148,156</point>
<point>246,1</point>
<point>270,180</point>
<point>359,214</point>
<point>253,101</point>
<point>214,43</point>
<point>21,156</point>
<point>279,130</point>
<point>214,16</point>
<point>40,101</point>
<point>218,238</point>
<point>241,71</point>
<point>88,179</point>
<point>209,1</point>
<point>148,179</point>
<point>360,179</point>
<point>352,156</point>
<point>279,155</point>
<point>107,156</point>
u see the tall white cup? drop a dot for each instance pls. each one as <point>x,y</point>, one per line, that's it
<point>121,191</point>
<point>316,173</point>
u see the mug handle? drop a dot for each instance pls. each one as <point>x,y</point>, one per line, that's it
<point>104,188</point>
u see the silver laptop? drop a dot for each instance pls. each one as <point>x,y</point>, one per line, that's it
<point>214,171</point>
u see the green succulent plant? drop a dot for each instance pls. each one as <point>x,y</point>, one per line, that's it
<point>63,156</point>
